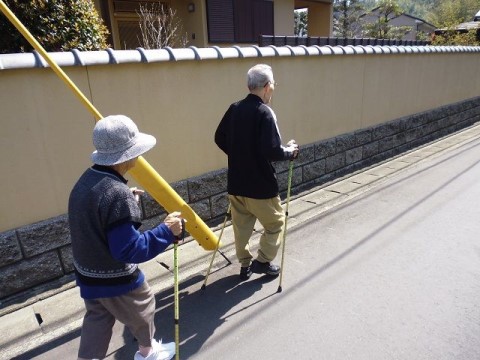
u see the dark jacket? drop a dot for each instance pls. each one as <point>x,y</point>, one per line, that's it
<point>104,218</point>
<point>249,135</point>
<point>100,200</point>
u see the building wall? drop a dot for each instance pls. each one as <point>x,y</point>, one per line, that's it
<point>323,98</point>
<point>415,25</point>
<point>284,18</point>
<point>196,28</point>
<point>320,15</point>
<point>193,22</point>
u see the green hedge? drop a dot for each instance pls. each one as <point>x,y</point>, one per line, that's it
<point>59,25</point>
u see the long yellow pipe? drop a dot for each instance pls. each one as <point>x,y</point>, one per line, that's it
<point>143,172</point>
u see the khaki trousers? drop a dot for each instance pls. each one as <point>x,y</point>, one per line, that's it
<point>135,309</point>
<point>269,212</point>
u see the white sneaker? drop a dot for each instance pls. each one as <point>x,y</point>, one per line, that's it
<point>159,351</point>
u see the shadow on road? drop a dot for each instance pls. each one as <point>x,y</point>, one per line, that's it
<point>49,346</point>
<point>201,312</point>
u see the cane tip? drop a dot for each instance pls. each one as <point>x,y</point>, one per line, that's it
<point>203,287</point>
<point>279,290</point>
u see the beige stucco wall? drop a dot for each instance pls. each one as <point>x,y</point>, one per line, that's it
<point>320,21</point>
<point>45,139</point>
<point>192,22</point>
<point>283,17</point>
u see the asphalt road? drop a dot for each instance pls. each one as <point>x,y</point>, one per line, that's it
<point>392,274</point>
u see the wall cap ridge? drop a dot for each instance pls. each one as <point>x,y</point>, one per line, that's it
<point>274,49</point>
<point>195,51</point>
<point>109,56</point>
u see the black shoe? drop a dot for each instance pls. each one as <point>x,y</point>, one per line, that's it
<point>265,268</point>
<point>245,273</point>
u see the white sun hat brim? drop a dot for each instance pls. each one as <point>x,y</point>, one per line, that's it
<point>143,143</point>
<point>117,140</point>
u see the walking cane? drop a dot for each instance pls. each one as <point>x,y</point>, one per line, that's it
<point>227,216</point>
<point>290,171</point>
<point>175,290</point>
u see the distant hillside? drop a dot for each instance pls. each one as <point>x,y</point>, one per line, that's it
<point>418,8</point>
<point>431,10</point>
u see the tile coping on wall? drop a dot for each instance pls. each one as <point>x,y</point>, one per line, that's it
<point>140,55</point>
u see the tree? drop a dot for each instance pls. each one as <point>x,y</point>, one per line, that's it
<point>368,4</point>
<point>418,8</point>
<point>449,15</point>
<point>59,25</point>
<point>451,37</point>
<point>346,18</point>
<point>301,22</point>
<point>381,28</point>
<point>160,27</point>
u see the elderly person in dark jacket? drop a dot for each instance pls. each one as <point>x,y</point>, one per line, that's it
<point>248,133</point>
<point>104,218</point>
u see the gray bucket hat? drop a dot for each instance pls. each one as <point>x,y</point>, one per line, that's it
<point>117,140</point>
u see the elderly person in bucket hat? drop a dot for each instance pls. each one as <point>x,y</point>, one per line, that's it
<point>104,218</point>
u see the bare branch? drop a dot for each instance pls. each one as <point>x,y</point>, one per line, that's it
<point>160,26</point>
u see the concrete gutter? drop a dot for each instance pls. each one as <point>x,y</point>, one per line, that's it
<point>58,315</point>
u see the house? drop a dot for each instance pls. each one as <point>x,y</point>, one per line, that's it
<point>217,22</point>
<point>416,25</point>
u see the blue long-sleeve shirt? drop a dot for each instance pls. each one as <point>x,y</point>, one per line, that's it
<point>128,245</point>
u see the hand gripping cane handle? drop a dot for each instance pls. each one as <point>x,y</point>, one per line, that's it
<point>182,234</point>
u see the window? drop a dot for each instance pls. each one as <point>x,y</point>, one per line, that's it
<point>239,20</point>
<point>129,33</point>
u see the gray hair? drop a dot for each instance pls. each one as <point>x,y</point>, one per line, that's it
<point>258,76</point>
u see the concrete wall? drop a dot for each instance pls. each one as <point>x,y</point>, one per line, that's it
<point>348,108</point>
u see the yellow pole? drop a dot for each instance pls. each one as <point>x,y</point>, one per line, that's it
<point>143,172</point>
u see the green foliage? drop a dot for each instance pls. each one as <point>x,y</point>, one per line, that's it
<point>301,22</point>
<point>346,21</point>
<point>448,13</point>
<point>442,13</point>
<point>417,8</point>
<point>455,38</point>
<point>59,25</point>
<point>368,4</point>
